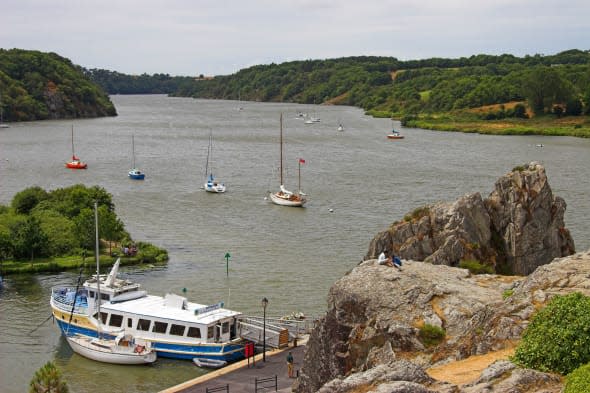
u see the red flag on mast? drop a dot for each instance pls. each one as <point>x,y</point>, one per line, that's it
<point>302,161</point>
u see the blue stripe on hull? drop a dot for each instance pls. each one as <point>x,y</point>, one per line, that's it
<point>231,352</point>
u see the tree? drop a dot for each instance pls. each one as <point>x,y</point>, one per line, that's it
<point>543,87</point>
<point>24,201</point>
<point>28,238</point>
<point>110,227</point>
<point>48,379</point>
<point>573,107</point>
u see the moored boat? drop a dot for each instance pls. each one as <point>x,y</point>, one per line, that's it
<point>395,135</point>
<point>76,163</point>
<point>171,325</point>
<point>209,363</point>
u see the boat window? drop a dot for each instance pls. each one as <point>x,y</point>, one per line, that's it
<point>91,294</point>
<point>116,320</point>
<point>225,327</point>
<point>129,322</point>
<point>177,330</point>
<point>103,317</point>
<point>143,324</point>
<point>104,296</point>
<point>159,327</point>
<point>210,331</point>
<point>194,332</point>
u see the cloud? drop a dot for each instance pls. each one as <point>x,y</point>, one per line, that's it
<point>183,37</point>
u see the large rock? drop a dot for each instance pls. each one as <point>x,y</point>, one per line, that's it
<point>375,314</point>
<point>517,228</point>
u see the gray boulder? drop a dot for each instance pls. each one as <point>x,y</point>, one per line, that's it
<point>517,228</point>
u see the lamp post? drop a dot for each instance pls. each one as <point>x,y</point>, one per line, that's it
<point>264,304</point>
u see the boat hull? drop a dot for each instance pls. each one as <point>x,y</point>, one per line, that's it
<point>81,325</point>
<point>209,363</point>
<point>293,201</point>
<point>76,165</point>
<point>214,188</point>
<point>136,175</point>
<point>395,137</point>
<point>83,346</point>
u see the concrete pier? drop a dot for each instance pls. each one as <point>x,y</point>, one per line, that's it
<point>241,377</point>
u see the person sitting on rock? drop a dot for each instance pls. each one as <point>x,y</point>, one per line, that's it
<point>384,260</point>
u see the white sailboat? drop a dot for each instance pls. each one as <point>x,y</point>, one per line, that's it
<point>285,197</point>
<point>135,173</point>
<point>211,185</point>
<point>122,349</point>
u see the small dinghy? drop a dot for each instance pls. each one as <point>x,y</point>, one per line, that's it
<point>209,363</point>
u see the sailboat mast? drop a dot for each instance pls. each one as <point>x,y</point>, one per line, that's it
<point>281,143</point>
<point>98,297</point>
<point>208,154</point>
<point>73,154</point>
<point>133,149</point>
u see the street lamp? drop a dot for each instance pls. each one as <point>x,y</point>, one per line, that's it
<point>264,304</point>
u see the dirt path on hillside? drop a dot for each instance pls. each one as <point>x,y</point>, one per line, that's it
<point>467,370</point>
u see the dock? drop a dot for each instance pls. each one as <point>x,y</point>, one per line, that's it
<point>250,375</point>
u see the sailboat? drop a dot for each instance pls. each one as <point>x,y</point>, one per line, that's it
<point>75,163</point>
<point>285,197</point>
<point>135,173</point>
<point>122,349</point>
<point>211,185</point>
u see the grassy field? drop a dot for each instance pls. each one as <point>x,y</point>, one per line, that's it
<point>577,126</point>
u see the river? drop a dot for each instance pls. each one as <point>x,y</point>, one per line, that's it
<point>358,183</point>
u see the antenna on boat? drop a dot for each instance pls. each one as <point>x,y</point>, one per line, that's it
<point>98,297</point>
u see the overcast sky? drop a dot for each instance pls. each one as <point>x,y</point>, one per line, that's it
<point>216,37</point>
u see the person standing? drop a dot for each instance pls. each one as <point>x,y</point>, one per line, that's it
<point>290,364</point>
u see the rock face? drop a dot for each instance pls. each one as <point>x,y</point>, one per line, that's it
<point>516,229</point>
<point>375,315</point>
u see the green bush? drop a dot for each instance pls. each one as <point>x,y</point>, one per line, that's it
<point>431,335</point>
<point>507,293</point>
<point>417,214</point>
<point>558,337</point>
<point>578,381</point>
<point>475,267</point>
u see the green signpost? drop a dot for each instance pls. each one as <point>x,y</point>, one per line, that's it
<point>227,257</point>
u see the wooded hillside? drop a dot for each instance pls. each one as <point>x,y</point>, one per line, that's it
<point>36,85</point>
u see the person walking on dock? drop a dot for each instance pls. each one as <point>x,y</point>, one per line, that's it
<point>290,364</point>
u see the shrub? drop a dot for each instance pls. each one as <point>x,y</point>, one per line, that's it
<point>417,213</point>
<point>507,293</point>
<point>476,267</point>
<point>578,381</point>
<point>558,337</point>
<point>431,335</point>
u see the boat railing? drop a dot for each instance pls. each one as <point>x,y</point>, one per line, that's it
<point>63,298</point>
<point>295,325</point>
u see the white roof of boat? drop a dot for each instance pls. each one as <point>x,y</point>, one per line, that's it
<point>154,307</point>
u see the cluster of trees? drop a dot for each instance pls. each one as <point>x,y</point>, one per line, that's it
<point>117,83</point>
<point>548,83</point>
<point>36,86</point>
<point>57,223</point>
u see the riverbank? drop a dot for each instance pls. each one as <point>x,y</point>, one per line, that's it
<point>58,264</point>
<point>549,125</point>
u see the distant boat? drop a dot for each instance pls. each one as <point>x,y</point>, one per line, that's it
<point>285,197</point>
<point>122,349</point>
<point>340,128</point>
<point>135,173</point>
<point>395,135</point>
<point>211,185</point>
<point>76,163</point>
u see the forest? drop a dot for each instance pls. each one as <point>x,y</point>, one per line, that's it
<point>60,223</point>
<point>38,86</point>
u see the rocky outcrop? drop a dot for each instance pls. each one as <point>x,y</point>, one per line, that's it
<point>376,314</point>
<point>517,228</point>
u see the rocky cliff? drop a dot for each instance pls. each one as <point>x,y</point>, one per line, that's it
<point>517,228</point>
<point>371,338</point>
